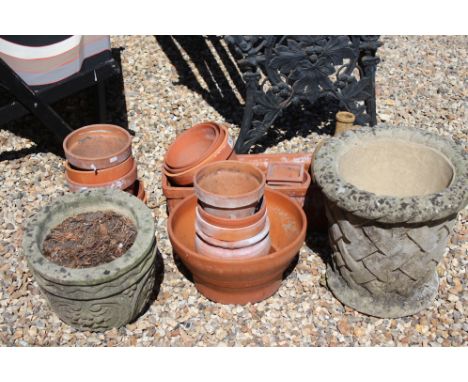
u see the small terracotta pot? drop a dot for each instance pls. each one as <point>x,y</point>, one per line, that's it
<point>230,234</point>
<point>222,152</point>
<point>122,183</point>
<point>138,189</point>
<point>192,147</point>
<point>174,194</point>
<point>229,189</point>
<point>262,161</point>
<point>238,280</point>
<point>233,223</point>
<point>344,122</point>
<point>97,146</point>
<point>248,240</point>
<point>261,248</point>
<point>99,176</point>
<point>297,192</point>
<point>285,173</point>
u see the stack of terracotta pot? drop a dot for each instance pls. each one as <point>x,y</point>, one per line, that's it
<point>100,156</point>
<point>203,143</point>
<point>231,216</point>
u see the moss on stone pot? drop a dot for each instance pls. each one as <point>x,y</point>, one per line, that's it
<point>105,296</point>
<point>392,197</point>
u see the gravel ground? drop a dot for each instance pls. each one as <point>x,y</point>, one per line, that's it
<point>421,81</point>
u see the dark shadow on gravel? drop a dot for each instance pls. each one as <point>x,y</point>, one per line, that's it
<point>219,94</point>
<point>77,110</point>
<point>182,268</point>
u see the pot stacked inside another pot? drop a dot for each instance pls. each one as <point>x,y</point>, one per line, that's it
<point>100,156</point>
<point>231,216</point>
<point>201,144</point>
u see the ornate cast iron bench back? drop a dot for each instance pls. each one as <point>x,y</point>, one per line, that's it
<point>303,68</point>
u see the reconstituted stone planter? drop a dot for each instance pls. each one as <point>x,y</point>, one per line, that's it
<point>102,297</point>
<point>392,197</point>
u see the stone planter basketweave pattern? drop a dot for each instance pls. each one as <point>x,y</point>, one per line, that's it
<point>386,249</point>
<point>102,297</point>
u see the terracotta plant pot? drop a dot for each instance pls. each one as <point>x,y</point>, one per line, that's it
<point>297,192</point>
<point>222,152</point>
<point>138,189</point>
<point>99,176</point>
<point>121,183</point>
<point>262,161</point>
<point>284,173</point>
<point>97,146</point>
<point>192,147</point>
<point>259,249</point>
<point>229,189</point>
<point>229,234</point>
<point>392,195</point>
<point>240,281</point>
<point>174,194</point>
<point>233,223</point>
<point>344,122</point>
<point>101,297</point>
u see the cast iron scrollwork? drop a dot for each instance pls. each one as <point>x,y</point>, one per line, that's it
<point>303,68</point>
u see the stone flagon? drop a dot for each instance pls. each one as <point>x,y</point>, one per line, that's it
<point>108,295</point>
<point>392,197</point>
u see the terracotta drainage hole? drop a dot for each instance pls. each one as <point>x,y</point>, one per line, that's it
<point>396,168</point>
<point>229,182</point>
<point>89,239</point>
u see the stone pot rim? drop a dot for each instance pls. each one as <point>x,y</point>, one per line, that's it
<point>72,204</point>
<point>389,209</point>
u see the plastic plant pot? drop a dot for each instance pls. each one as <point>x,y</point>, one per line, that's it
<point>240,281</point>
<point>229,189</point>
<point>97,146</point>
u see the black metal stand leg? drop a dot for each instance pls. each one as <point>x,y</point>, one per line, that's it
<point>251,80</point>
<point>33,103</point>
<point>102,106</point>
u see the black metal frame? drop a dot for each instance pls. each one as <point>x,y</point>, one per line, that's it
<point>303,68</point>
<point>37,100</point>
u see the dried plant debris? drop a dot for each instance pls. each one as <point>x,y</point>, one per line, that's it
<point>89,239</point>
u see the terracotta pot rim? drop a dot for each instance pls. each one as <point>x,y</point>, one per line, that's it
<point>223,151</point>
<point>229,201</point>
<point>235,253</point>
<point>233,223</point>
<point>250,261</point>
<point>207,227</point>
<point>93,127</point>
<point>233,244</point>
<point>129,178</point>
<point>213,125</point>
<point>95,175</point>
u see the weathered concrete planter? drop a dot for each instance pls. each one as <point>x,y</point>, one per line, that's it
<point>392,196</point>
<point>102,297</point>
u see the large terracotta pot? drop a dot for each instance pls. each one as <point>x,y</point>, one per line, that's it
<point>240,281</point>
<point>97,146</point>
<point>101,297</point>
<point>392,195</point>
